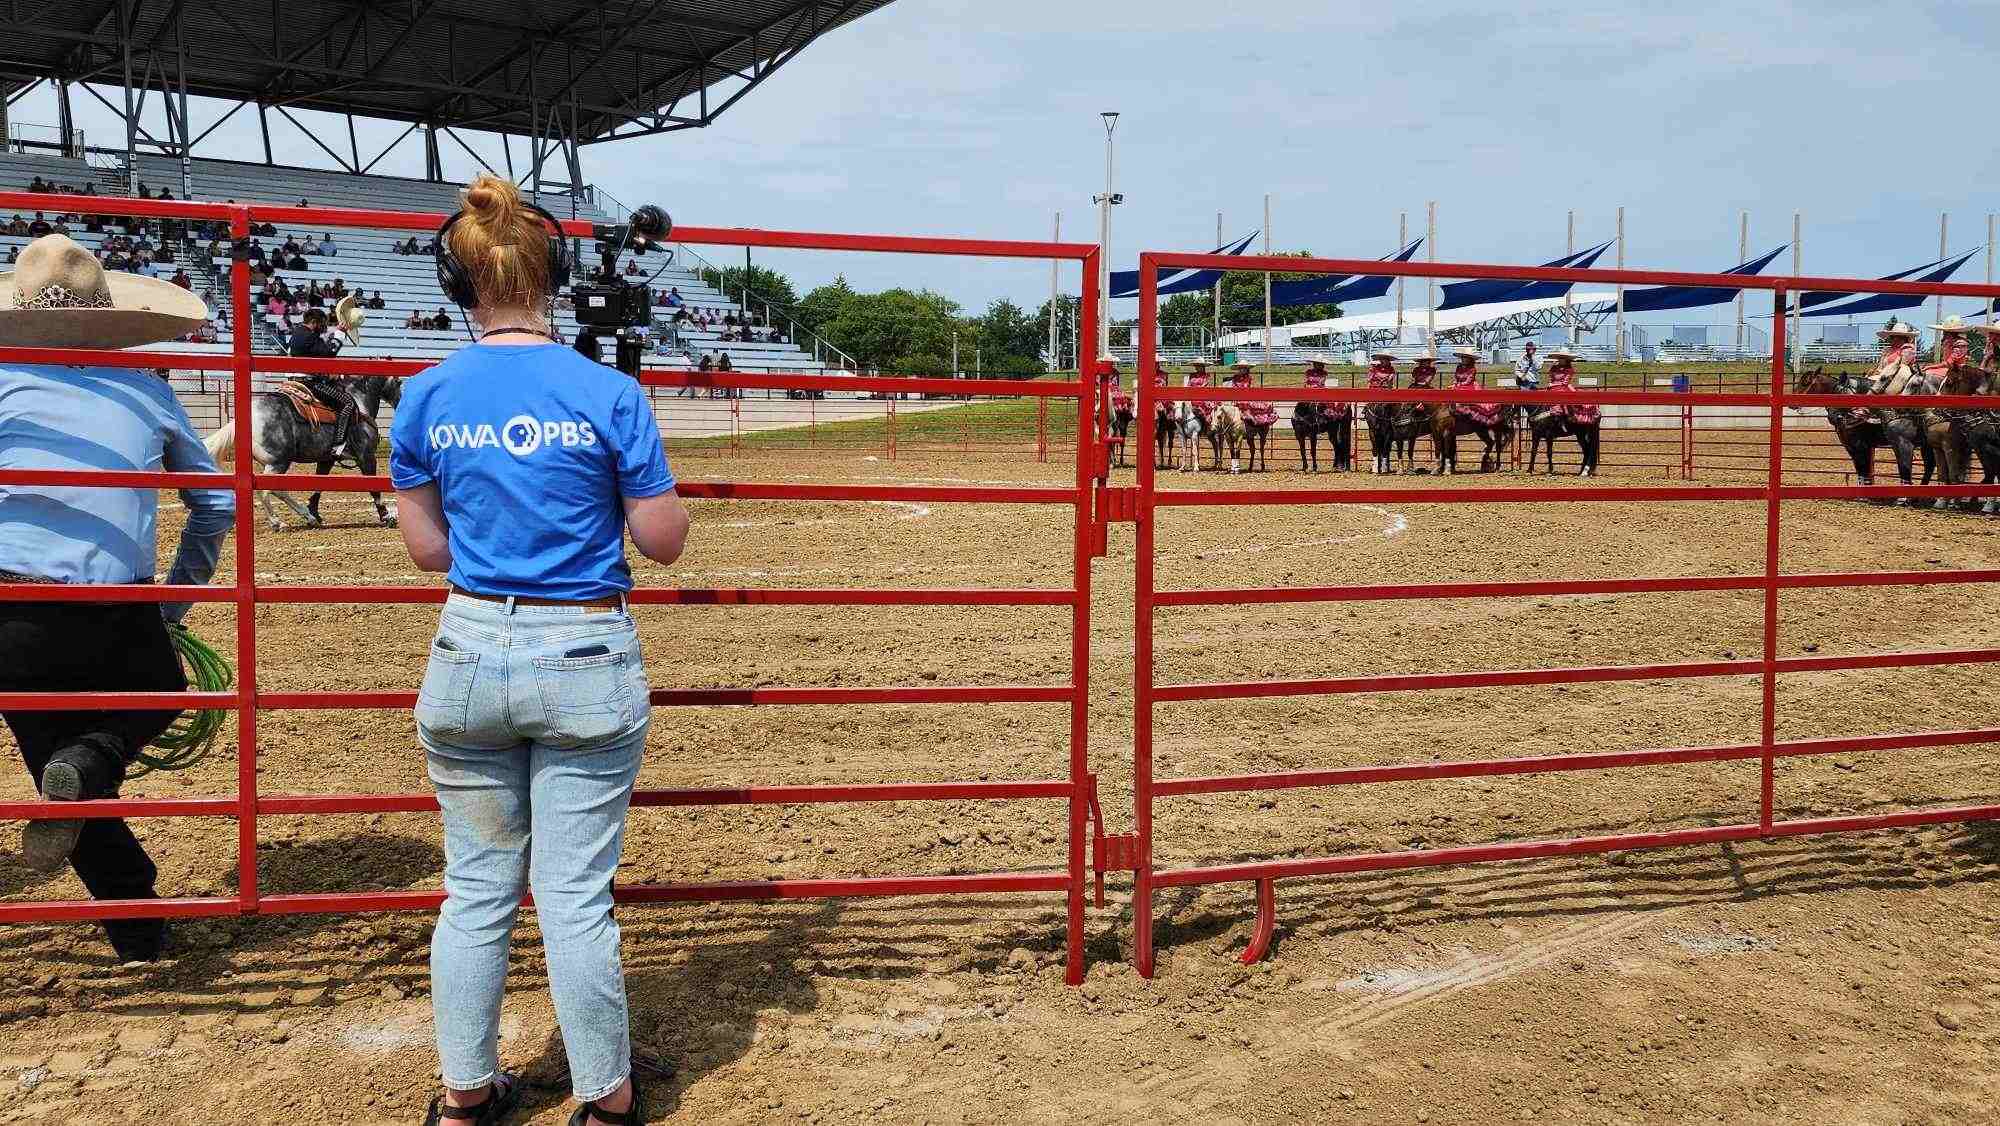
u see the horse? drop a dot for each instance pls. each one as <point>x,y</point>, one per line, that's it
<point>1165,426</point>
<point>1121,429</point>
<point>1257,443</point>
<point>1982,432</point>
<point>1545,425</point>
<point>1863,433</point>
<point>1410,420</point>
<point>1945,427</point>
<point>280,436</point>
<point>1310,422</point>
<point>1191,426</point>
<point>1381,429</point>
<point>371,391</point>
<point>1447,426</point>
<point>1225,428</point>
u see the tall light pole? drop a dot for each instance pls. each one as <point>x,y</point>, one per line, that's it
<point>1104,204</point>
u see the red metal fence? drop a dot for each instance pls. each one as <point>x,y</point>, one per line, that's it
<point>1071,782</point>
<point>1136,850</point>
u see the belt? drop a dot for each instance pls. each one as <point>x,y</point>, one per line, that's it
<point>609,602</point>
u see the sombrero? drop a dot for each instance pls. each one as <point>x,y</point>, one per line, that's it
<point>1390,356</point>
<point>1561,354</point>
<point>59,296</point>
<point>1470,353</point>
<point>1897,328</point>
<point>1953,323</point>
<point>348,317</point>
<point>1244,364</point>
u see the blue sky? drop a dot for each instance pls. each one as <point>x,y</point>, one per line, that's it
<point>951,117</point>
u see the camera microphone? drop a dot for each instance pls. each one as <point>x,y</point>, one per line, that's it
<point>651,224</point>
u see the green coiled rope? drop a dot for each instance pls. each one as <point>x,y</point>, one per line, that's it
<point>189,739</point>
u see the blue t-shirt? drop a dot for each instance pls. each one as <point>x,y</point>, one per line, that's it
<point>531,447</point>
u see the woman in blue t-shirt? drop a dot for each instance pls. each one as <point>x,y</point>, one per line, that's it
<point>519,465</point>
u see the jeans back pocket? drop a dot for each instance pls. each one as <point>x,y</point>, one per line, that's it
<point>587,699</point>
<point>446,695</point>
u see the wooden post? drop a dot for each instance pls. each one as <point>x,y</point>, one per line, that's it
<point>1042,430</point>
<point>892,427</point>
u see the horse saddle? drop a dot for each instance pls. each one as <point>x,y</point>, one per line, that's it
<point>307,404</point>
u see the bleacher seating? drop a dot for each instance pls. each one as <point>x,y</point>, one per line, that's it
<point>366,262</point>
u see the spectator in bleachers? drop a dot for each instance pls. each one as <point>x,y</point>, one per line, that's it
<point>314,298</point>
<point>17,225</point>
<point>431,248</point>
<point>94,224</point>
<point>631,267</point>
<point>256,251</point>
<point>416,320</point>
<point>409,247</point>
<point>441,322</point>
<point>674,298</point>
<point>37,185</point>
<point>376,302</point>
<point>303,203</point>
<point>62,224</point>
<point>290,247</point>
<point>278,305</point>
<point>181,279</point>
<point>337,290</point>
<point>39,227</point>
<point>326,248</point>
<point>13,255</point>
<point>296,262</point>
<point>144,192</point>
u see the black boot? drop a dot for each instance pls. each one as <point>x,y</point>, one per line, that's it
<point>78,772</point>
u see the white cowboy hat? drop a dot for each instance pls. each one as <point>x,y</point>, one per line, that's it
<point>348,317</point>
<point>1198,363</point>
<point>58,295</point>
<point>1897,328</point>
<point>1953,323</point>
<point>1244,365</point>
<point>1561,354</point>
<point>1472,353</point>
<point>1382,356</point>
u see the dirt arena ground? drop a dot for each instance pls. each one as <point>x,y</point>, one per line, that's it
<point>1851,979</point>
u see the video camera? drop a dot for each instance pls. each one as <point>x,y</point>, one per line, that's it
<point>610,303</point>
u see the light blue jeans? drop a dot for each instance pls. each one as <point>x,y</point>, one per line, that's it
<point>534,721</point>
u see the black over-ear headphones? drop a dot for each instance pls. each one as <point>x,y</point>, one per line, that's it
<point>456,280</point>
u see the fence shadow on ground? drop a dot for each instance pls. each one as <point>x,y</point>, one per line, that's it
<point>1578,887</point>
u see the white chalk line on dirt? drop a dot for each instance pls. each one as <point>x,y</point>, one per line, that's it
<point>1397,524</point>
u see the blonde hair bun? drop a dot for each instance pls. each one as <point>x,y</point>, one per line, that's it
<point>503,244</point>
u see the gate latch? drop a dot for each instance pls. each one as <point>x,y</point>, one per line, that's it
<point>1117,505</point>
<point>1115,853</point>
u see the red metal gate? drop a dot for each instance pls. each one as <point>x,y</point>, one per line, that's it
<point>1136,851</point>
<point>1071,782</point>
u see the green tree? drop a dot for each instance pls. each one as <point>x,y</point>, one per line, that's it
<point>1243,298</point>
<point>878,328</point>
<point>823,304</point>
<point>1066,313</point>
<point>1009,340</point>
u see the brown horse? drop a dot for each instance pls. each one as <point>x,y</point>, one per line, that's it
<point>1448,425</point>
<point>1945,427</point>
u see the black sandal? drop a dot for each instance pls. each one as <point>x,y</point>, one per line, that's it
<point>633,1115</point>
<point>505,1092</point>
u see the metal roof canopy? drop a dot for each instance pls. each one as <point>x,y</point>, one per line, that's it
<point>562,72</point>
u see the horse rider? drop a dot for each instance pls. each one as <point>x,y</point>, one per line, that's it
<point>1527,373</point>
<point>1465,377</point>
<point>1562,377</point>
<point>1954,347</point>
<point>1199,377</point>
<point>1119,425</point>
<point>310,340</point>
<point>1382,371</point>
<point>95,418</point>
<point>1899,358</point>
<point>1423,377</point>
<point>1257,412</point>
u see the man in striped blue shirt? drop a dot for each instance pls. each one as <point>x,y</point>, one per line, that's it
<point>94,419</point>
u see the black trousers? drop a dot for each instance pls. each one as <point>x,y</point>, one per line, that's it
<point>94,647</point>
